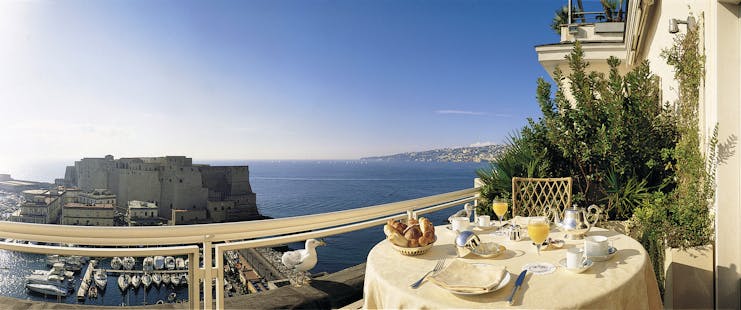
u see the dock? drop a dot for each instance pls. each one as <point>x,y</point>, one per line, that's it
<point>86,280</point>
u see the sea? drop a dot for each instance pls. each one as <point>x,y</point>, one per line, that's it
<point>285,189</point>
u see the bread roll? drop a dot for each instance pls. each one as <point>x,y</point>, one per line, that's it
<point>399,227</point>
<point>388,230</point>
<point>398,239</point>
<point>413,233</point>
<point>413,243</point>
<point>426,239</point>
<point>426,225</point>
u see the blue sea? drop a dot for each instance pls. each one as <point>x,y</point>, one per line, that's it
<point>292,188</point>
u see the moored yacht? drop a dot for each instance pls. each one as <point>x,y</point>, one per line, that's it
<point>157,278</point>
<point>170,262</point>
<point>135,281</point>
<point>128,262</point>
<point>148,263</point>
<point>116,263</point>
<point>159,262</point>
<point>123,282</point>
<point>101,279</point>
<point>47,289</point>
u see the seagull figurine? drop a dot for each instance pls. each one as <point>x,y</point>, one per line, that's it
<point>302,260</point>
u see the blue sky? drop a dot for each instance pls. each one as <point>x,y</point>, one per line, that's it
<point>258,79</point>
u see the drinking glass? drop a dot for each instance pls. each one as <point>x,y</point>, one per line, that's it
<point>538,229</point>
<point>500,209</point>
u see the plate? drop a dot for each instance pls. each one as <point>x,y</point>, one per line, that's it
<point>611,251</point>
<point>589,264</point>
<point>502,284</point>
<point>489,250</point>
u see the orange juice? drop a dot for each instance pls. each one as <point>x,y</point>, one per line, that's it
<point>538,232</point>
<point>500,208</point>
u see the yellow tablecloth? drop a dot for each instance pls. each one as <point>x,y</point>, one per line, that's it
<point>624,282</point>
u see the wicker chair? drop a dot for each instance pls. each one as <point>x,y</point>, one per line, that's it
<point>532,196</point>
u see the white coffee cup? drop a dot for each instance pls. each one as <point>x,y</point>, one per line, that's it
<point>574,257</point>
<point>484,220</point>
<point>460,223</point>
<point>596,246</point>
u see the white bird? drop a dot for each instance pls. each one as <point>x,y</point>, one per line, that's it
<point>302,260</point>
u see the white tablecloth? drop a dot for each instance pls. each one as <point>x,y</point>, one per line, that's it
<point>625,282</point>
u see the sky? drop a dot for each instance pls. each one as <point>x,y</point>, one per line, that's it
<point>274,79</point>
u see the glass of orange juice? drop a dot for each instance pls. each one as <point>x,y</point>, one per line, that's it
<point>500,208</point>
<point>538,229</point>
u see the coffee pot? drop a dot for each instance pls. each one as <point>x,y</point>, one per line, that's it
<point>575,223</point>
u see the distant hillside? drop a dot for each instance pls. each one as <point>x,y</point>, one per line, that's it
<point>461,154</point>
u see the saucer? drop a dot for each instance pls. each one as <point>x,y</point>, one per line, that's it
<point>611,251</point>
<point>484,228</point>
<point>588,264</point>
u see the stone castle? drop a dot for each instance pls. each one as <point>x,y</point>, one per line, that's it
<point>194,193</point>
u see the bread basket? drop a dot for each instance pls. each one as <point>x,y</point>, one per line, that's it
<point>413,251</point>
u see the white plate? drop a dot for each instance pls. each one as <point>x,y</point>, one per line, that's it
<point>491,226</point>
<point>589,264</point>
<point>502,284</point>
<point>611,251</point>
<point>540,268</point>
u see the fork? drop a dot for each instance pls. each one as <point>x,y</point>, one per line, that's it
<point>438,267</point>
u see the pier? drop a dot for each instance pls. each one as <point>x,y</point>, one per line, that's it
<point>86,280</point>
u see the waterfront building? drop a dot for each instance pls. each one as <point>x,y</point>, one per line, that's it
<point>650,27</point>
<point>142,213</point>
<point>88,214</point>
<point>40,206</point>
<point>172,183</point>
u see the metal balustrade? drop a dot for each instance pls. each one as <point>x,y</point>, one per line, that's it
<point>189,240</point>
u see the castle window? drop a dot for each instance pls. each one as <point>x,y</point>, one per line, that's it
<point>181,180</point>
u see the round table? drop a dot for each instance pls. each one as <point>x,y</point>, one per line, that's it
<point>626,281</point>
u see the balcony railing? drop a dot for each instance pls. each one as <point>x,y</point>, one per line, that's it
<point>602,20</point>
<point>214,238</point>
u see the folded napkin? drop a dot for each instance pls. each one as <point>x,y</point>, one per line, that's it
<point>464,277</point>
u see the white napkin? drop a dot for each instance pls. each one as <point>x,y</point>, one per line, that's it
<point>464,277</point>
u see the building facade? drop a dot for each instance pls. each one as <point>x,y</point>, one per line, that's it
<point>171,182</point>
<point>142,213</point>
<point>649,27</point>
<point>40,207</point>
<point>88,215</point>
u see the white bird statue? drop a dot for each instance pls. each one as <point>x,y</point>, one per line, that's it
<point>302,260</point>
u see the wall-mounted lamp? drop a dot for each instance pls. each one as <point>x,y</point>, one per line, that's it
<point>674,24</point>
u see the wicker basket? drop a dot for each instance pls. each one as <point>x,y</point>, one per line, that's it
<point>413,251</point>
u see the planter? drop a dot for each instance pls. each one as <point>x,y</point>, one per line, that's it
<point>689,278</point>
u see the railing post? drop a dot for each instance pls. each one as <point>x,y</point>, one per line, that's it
<point>569,12</point>
<point>219,278</point>
<point>207,277</point>
<point>194,286</point>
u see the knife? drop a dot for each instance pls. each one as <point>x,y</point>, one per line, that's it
<point>518,283</point>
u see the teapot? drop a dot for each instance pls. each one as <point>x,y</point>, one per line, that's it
<point>575,223</point>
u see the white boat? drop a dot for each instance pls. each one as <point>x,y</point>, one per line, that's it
<point>47,289</point>
<point>50,279</point>
<point>128,262</point>
<point>135,281</point>
<point>116,263</point>
<point>157,278</point>
<point>123,282</point>
<point>175,279</point>
<point>101,279</point>
<point>148,263</point>
<point>170,262</point>
<point>159,262</point>
<point>179,263</point>
<point>146,280</point>
<point>166,278</point>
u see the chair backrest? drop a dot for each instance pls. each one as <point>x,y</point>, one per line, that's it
<point>531,196</point>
